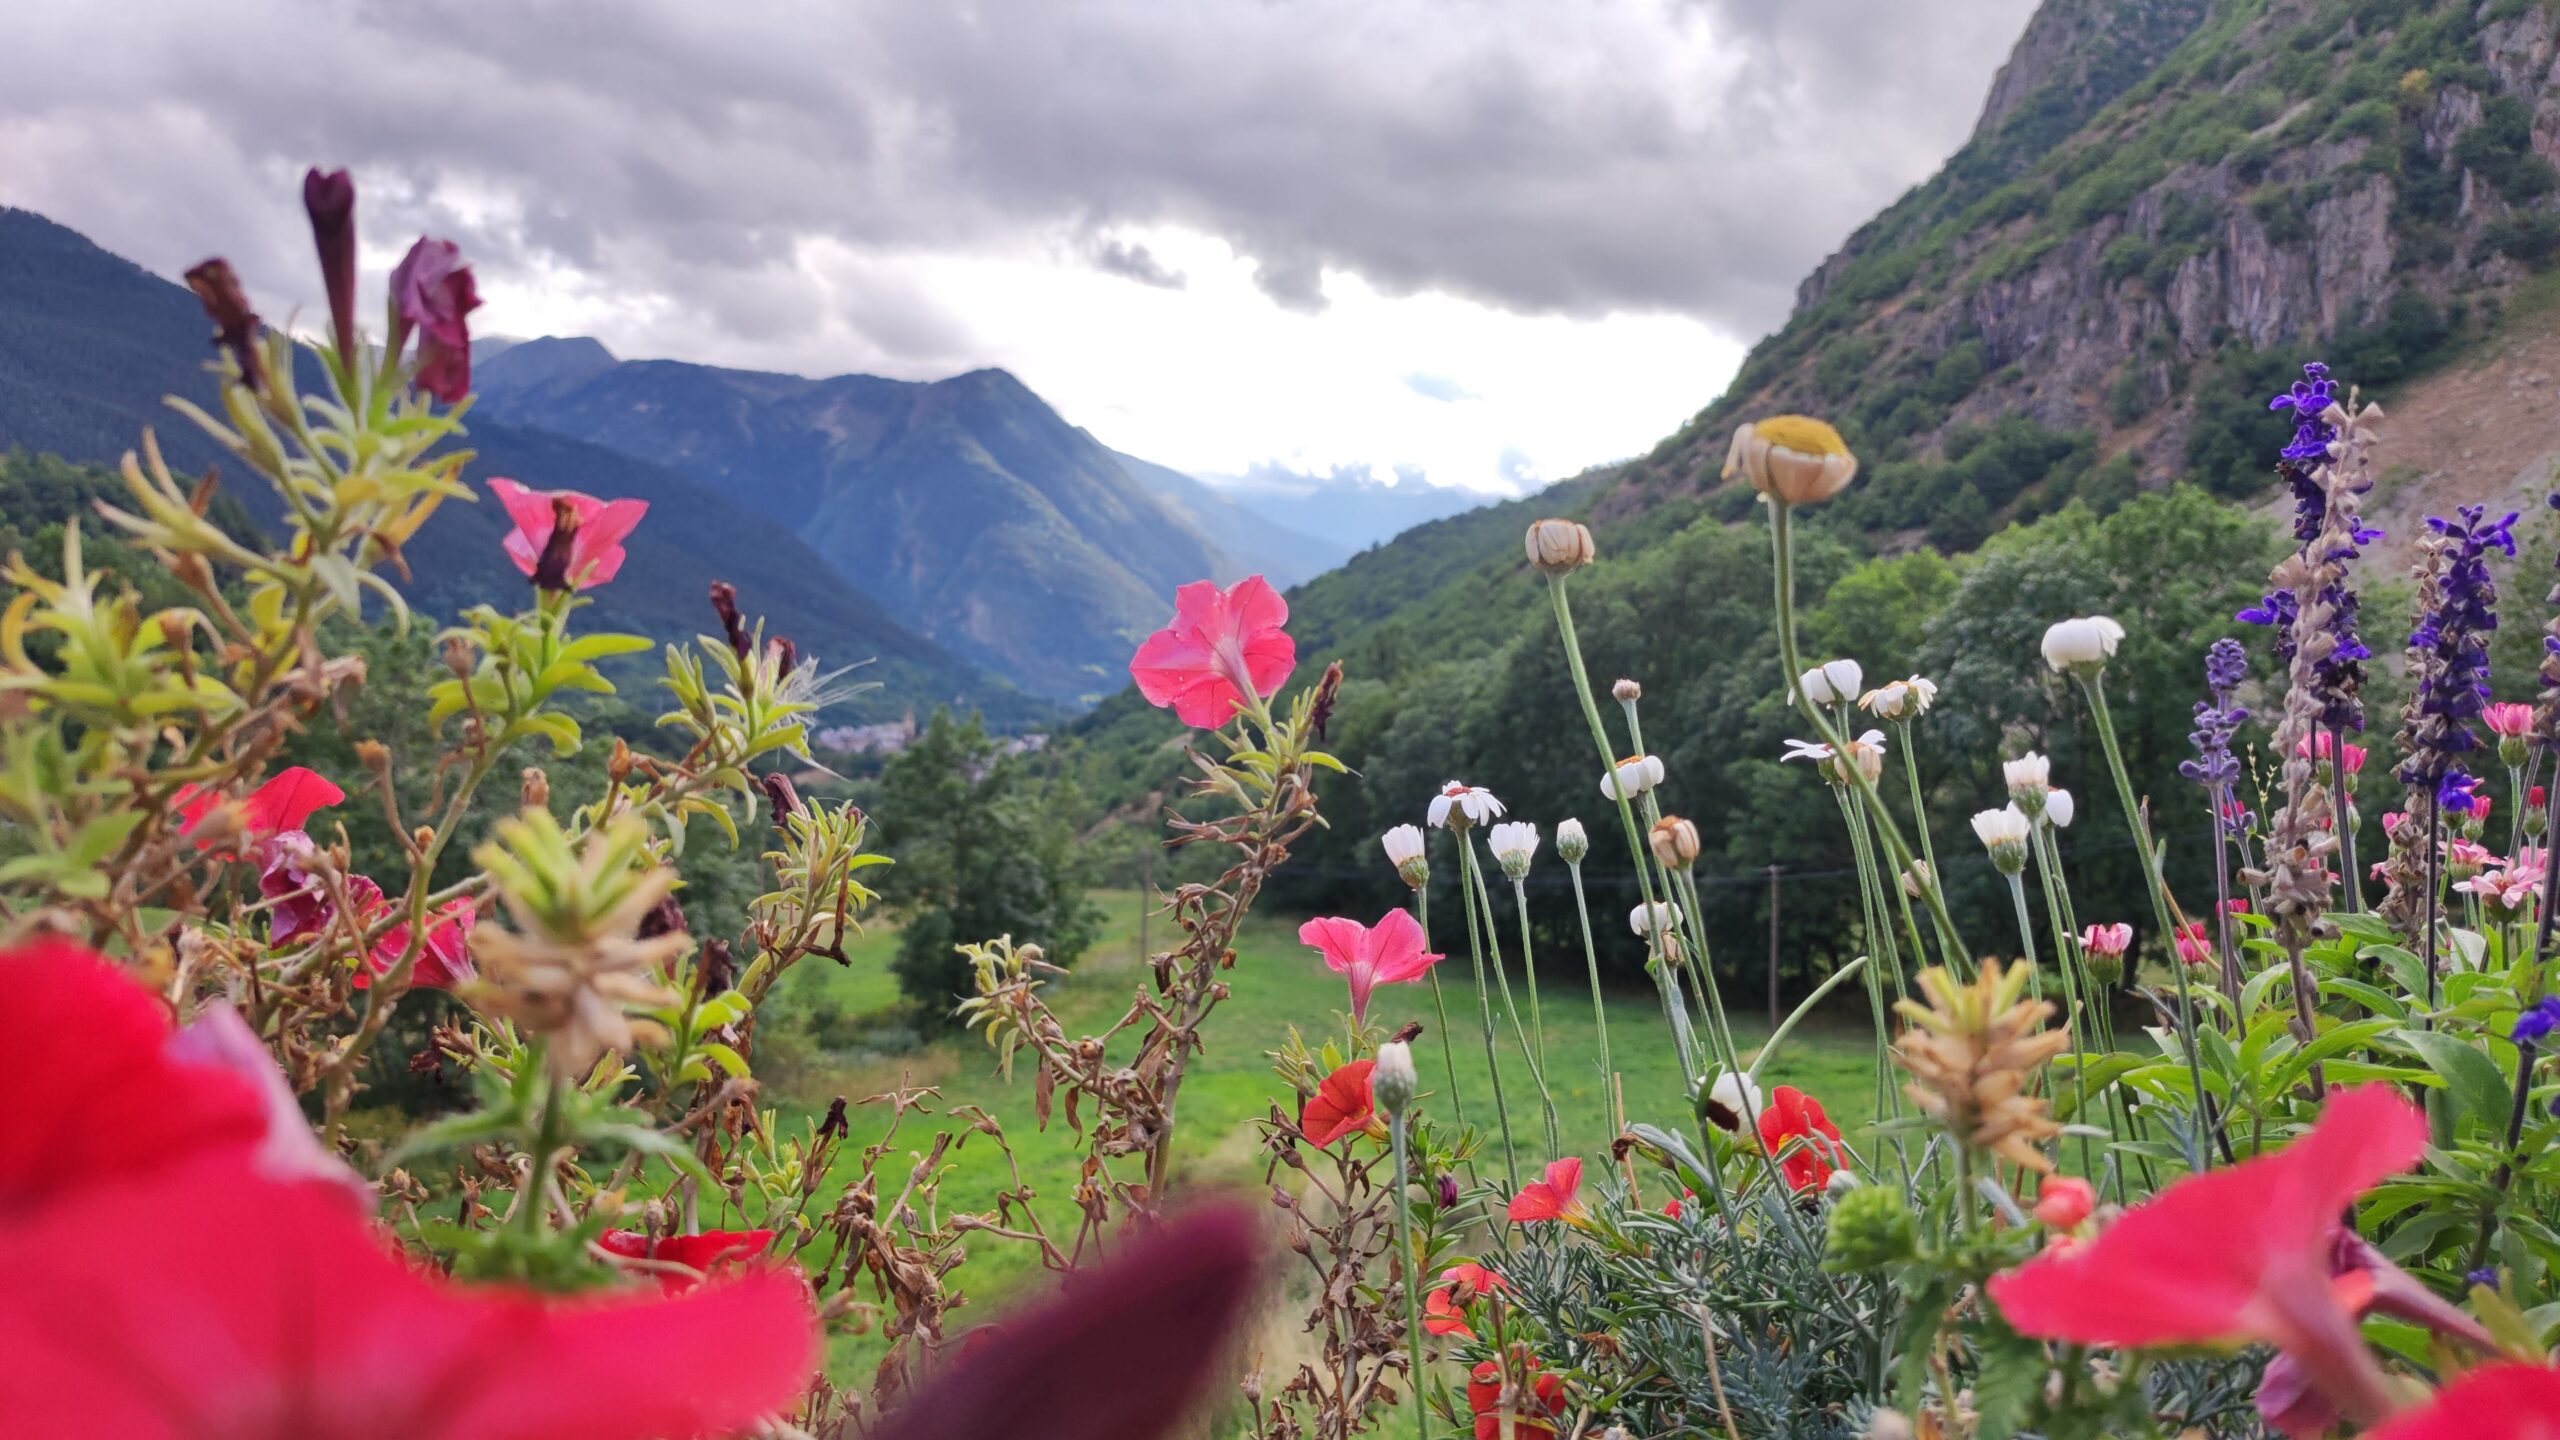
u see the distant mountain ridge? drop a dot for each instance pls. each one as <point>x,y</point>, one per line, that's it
<point>91,343</point>
<point>967,506</point>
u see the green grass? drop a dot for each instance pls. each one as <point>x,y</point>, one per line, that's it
<point>1276,984</point>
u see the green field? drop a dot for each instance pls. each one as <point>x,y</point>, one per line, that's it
<point>1276,983</point>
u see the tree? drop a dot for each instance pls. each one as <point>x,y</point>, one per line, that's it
<point>983,849</point>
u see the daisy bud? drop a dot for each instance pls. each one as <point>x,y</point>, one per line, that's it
<point>1512,843</point>
<point>1632,777</point>
<point>1626,692</point>
<point>1571,843</point>
<point>1917,879</point>
<point>1791,459</point>
<point>2083,646</point>
<point>1393,1080</point>
<point>1404,847</point>
<point>2003,833</point>
<point>1833,682</point>
<point>1840,1183</point>
<point>2029,778</point>
<point>1675,842</point>
<point>1559,547</point>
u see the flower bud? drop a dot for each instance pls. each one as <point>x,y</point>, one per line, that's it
<point>1571,843</point>
<point>1841,1183</point>
<point>1559,547</point>
<point>1729,1102</point>
<point>1404,846</point>
<point>1631,777</point>
<point>2003,833</point>
<point>2511,751</point>
<point>534,790</point>
<point>1513,842</point>
<point>1918,879</point>
<point>1626,692</point>
<point>1448,1191</point>
<point>2103,968</point>
<point>1870,1227</point>
<point>1791,459</point>
<point>1833,682</point>
<point>1674,842</point>
<point>2060,808</point>
<point>2083,646</point>
<point>1656,918</point>
<point>2029,777</point>
<point>1393,1080</point>
<point>2064,1201</point>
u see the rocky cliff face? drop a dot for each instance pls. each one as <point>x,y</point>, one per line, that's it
<point>2234,188</point>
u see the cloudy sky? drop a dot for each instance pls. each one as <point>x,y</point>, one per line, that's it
<point>1492,240</point>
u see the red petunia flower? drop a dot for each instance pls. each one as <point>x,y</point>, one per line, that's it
<point>700,1254</point>
<point>271,1314</point>
<point>1387,953</point>
<point>1794,1115</point>
<point>97,1095</point>
<point>2494,1402</point>
<point>1558,1197</point>
<point>1224,649</point>
<point>2244,1253</point>
<point>1344,1104</point>
<point>433,292</point>
<point>599,528</point>
<point>1444,1308</point>
<point>1536,1402</point>
<point>285,802</point>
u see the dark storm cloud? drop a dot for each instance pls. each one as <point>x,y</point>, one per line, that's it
<point>1695,156</point>
<point>1132,261</point>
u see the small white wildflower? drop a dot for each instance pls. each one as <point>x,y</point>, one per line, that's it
<point>1636,775</point>
<point>2003,832</point>
<point>1659,917</point>
<point>1733,1101</point>
<point>1901,699</point>
<point>2059,808</point>
<point>1512,843</point>
<point>2029,777</point>
<point>1833,682</point>
<point>1405,851</point>
<point>2081,645</point>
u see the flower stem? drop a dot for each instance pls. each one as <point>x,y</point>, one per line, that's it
<point>1529,970</point>
<point>1439,1001</point>
<point>1690,1068</point>
<point>2094,686</point>
<point>1484,1003</point>
<point>1599,1011</point>
<point>1412,1282</point>
<point>1502,980</point>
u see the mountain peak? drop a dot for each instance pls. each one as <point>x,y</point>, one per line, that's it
<point>523,364</point>
<point>2076,55</point>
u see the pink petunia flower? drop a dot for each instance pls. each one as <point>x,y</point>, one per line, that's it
<point>597,530</point>
<point>1224,650</point>
<point>2494,1402</point>
<point>1387,953</point>
<point>2193,947</point>
<point>433,293</point>
<point>2238,1254</point>
<point>2108,940</point>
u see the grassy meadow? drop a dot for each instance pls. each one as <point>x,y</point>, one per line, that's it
<point>1276,983</point>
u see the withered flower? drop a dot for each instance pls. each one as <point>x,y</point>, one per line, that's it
<point>330,200</point>
<point>235,325</point>
<point>1971,1051</point>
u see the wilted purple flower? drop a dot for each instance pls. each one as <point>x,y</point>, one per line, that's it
<point>330,200</point>
<point>235,325</point>
<point>433,293</point>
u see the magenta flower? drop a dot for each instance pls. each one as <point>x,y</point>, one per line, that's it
<point>1387,953</point>
<point>432,292</point>
<point>330,200</point>
<point>2108,940</point>
<point>1224,650</point>
<point>2509,719</point>
<point>592,542</point>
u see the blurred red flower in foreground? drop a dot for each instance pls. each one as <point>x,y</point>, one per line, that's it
<point>1535,1398</point>
<point>2494,1402</point>
<point>1794,1115</point>
<point>700,1254</point>
<point>162,1283</point>
<point>1221,645</point>
<point>1344,1104</point>
<point>285,802</point>
<point>1557,1197</point>
<point>1126,1351</point>
<point>598,528</point>
<point>2245,1253</point>
<point>443,962</point>
<point>1387,953</point>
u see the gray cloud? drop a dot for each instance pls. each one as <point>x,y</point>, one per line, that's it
<point>686,159</point>
<point>1132,261</point>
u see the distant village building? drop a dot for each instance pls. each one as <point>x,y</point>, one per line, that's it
<point>888,738</point>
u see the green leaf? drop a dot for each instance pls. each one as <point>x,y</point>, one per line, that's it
<point>2479,1092</point>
